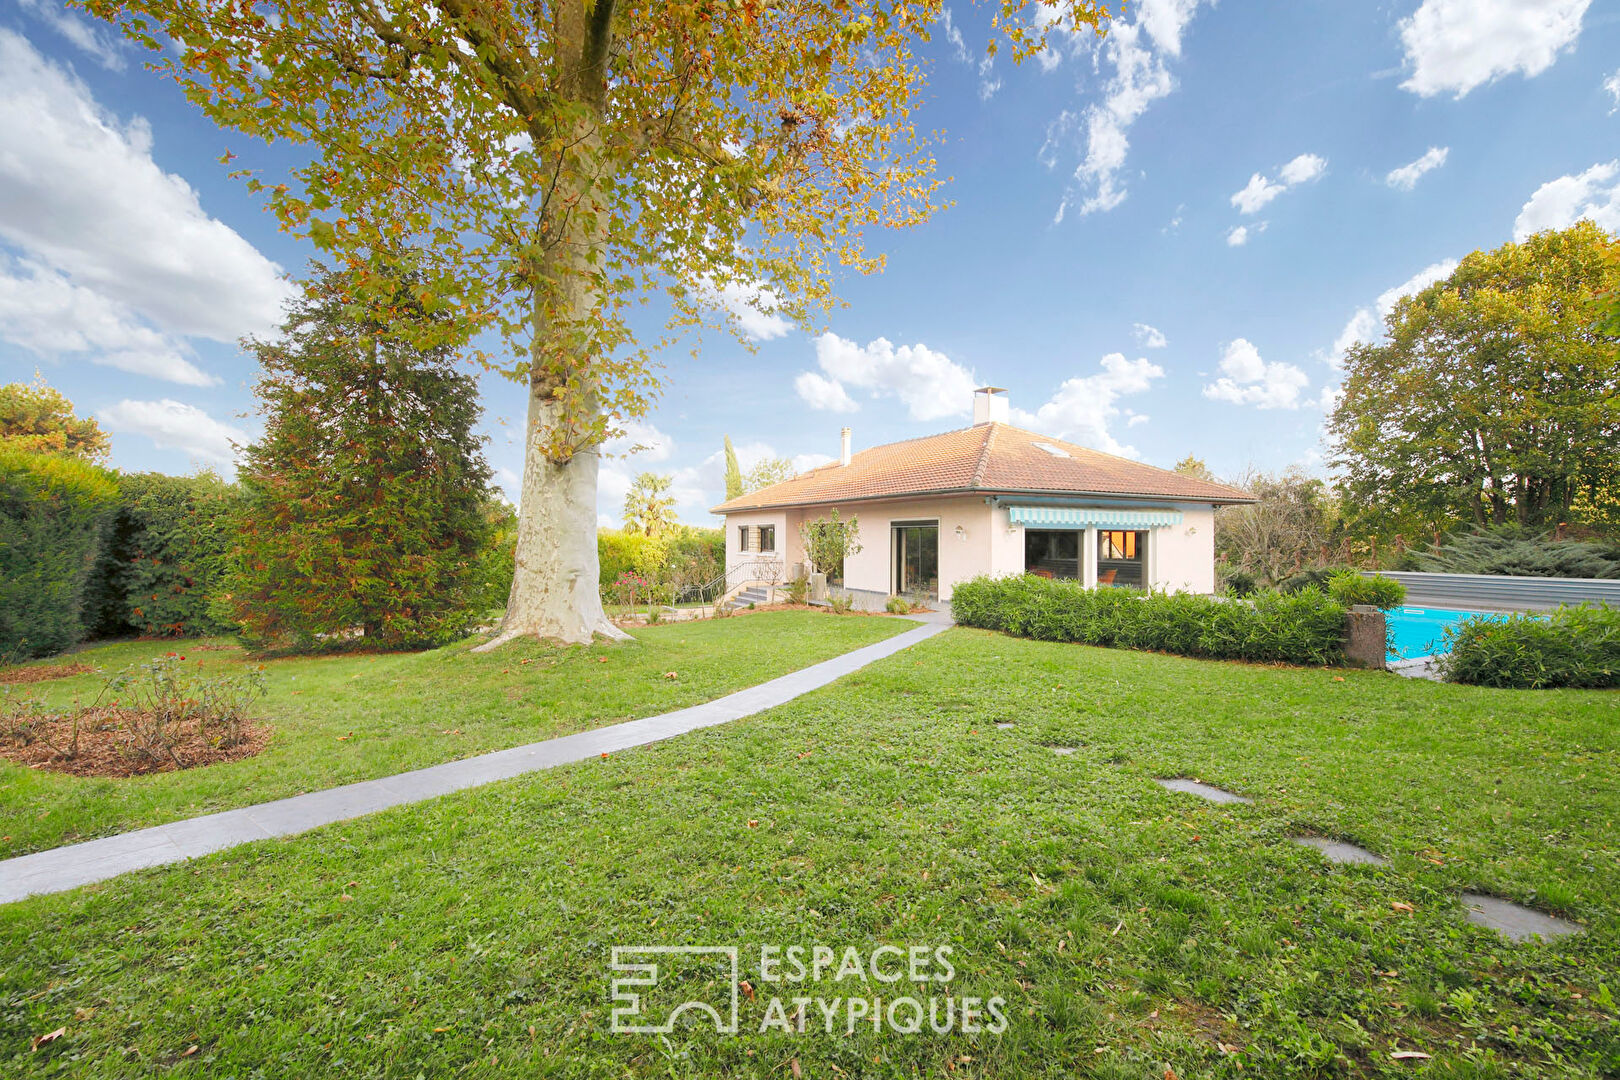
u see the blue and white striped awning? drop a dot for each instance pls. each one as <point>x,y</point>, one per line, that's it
<point>1103,517</point>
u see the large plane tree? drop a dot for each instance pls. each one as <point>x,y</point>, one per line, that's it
<point>555,163</point>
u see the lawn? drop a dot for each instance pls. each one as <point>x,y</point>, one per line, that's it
<point>1133,932</point>
<point>338,719</point>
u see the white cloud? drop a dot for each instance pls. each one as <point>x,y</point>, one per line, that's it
<point>753,307</point>
<point>1454,46</point>
<point>953,34</point>
<point>1150,337</point>
<point>1247,379</point>
<point>1083,406</point>
<point>94,39</point>
<point>1612,85</point>
<point>820,392</point>
<point>1135,54</point>
<point>173,425</point>
<point>43,311</point>
<point>1261,189</point>
<point>929,383</point>
<point>1238,236</point>
<point>1367,324</point>
<point>642,441</point>
<point>1560,203</point>
<point>81,194</point>
<point>1303,169</point>
<point>1256,194</point>
<point>1406,177</point>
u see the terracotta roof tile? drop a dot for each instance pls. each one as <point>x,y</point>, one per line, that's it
<point>987,458</point>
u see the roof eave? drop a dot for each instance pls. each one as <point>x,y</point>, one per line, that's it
<point>1241,498</point>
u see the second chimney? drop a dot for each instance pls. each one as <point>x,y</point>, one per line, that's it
<point>843,454</point>
<point>988,408</point>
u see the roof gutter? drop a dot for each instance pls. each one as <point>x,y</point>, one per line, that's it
<point>1053,498</point>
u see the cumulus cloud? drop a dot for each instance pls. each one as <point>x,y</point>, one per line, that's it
<point>642,441</point>
<point>105,231</point>
<point>1134,54</point>
<point>1406,177</point>
<point>1261,189</point>
<point>1083,407</point>
<point>751,307</point>
<point>1150,337</point>
<point>173,425</point>
<point>1454,46</point>
<point>46,313</point>
<point>1560,203</point>
<point>1612,85</point>
<point>1237,236</point>
<point>1247,379</point>
<point>930,384</point>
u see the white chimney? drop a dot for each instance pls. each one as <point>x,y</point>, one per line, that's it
<point>988,408</point>
<point>843,454</point>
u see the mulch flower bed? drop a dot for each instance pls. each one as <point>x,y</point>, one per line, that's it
<point>42,673</point>
<point>106,745</point>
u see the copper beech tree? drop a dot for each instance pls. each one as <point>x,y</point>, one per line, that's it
<point>552,164</point>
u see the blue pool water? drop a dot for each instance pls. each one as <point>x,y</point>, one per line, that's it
<point>1417,631</point>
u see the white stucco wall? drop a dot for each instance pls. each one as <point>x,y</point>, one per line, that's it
<point>960,557</point>
<point>1182,556</point>
<point>786,540</point>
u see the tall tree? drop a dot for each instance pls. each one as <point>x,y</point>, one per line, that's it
<point>1496,397</point>
<point>1194,466</point>
<point>734,476</point>
<point>561,160</point>
<point>37,418</point>
<point>649,508</point>
<point>767,472</point>
<point>365,504</point>
<point>1282,532</point>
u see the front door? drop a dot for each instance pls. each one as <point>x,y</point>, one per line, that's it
<point>916,559</point>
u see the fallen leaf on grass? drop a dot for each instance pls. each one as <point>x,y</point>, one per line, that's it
<point>753,823</point>
<point>1399,906</point>
<point>1410,1055</point>
<point>40,1040</point>
<point>670,675</point>
<point>793,1067</point>
<point>189,1051</point>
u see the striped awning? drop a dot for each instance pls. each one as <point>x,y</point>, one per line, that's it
<point>1103,517</point>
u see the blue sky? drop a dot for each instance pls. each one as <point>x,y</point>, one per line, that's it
<point>1160,241</point>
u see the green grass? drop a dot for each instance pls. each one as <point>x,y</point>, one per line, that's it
<point>1131,930</point>
<point>338,719</point>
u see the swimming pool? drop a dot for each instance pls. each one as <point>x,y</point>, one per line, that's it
<point>1415,631</point>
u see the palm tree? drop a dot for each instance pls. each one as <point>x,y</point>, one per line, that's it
<point>648,506</point>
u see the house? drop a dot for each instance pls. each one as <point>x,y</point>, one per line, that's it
<point>987,499</point>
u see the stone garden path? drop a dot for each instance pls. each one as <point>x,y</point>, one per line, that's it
<point>68,867</point>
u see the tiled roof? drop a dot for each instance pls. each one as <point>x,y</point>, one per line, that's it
<point>986,458</point>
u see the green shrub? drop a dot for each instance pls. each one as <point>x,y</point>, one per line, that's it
<point>798,590</point>
<point>1307,627</point>
<point>166,552</point>
<point>1572,646</point>
<point>841,603</point>
<point>1237,582</point>
<point>53,514</point>
<point>898,605</point>
<point>1316,578</point>
<point>1350,588</point>
<point>1508,549</point>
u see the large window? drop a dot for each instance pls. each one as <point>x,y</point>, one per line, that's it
<point>767,538</point>
<point>1120,558</point>
<point>1052,553</point>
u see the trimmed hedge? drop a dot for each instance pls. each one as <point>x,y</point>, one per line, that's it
<point>166,553</point>
<point>1305,628</point>
<point>53,513</point>
<point>1572,646</point>
<point>1350,588</point>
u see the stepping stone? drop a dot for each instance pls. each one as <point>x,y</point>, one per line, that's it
<point>1004,726</point>
<point>1064,750</point>
<point>1203,791</point>
<point>1340,852</point>
<point>1513,921</point>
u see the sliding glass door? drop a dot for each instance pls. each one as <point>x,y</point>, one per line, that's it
<point>916,559</point>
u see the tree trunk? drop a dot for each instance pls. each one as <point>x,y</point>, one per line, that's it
<point>555,591</point>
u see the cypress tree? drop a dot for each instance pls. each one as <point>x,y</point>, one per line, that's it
<point>364,503</point>
<point>734,476</point>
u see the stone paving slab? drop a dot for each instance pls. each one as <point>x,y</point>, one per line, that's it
<point>1514,922</point>
<point>1203,791</point>
<point>68,867</point>
<point>1339,851</point>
